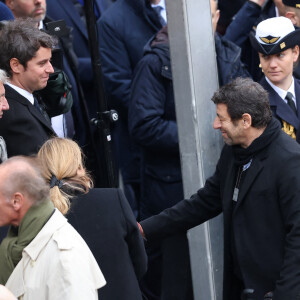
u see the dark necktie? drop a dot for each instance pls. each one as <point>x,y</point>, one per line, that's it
<point>158,10</point>
<point>290,101</point>
<point>40,110</point>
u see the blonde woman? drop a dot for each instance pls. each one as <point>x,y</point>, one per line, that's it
<point>102,216</point>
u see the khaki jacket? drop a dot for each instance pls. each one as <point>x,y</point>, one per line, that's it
<point>56,265</point>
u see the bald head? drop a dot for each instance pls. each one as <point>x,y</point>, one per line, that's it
<point>23,174</point>
<point>21,186</point>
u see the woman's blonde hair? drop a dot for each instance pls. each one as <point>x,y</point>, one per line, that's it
<point>63,158</point>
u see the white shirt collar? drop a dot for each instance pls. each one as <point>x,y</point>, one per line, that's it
<point>41,24</point>
<point>161,3</point>
<point>22,92</point>
<point>163,12</point>
<point>282,93</point>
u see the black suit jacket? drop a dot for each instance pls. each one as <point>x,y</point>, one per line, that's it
<point>23,127</point>
<point>104,219</point>
<point>265,221</point>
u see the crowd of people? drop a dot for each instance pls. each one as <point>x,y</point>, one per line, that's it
<point>64,236</point>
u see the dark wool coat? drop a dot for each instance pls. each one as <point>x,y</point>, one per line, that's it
<point>23,127</point>
<point>124,30</point>
<point>152,124</point>
<point>105,221</point>
<point>265,222</point>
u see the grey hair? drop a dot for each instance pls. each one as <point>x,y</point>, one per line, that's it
<point>25,177</point>
<point>3,76</point>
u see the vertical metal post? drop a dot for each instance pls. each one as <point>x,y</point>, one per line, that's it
<point>195,80</point>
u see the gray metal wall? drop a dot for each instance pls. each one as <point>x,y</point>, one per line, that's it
<point>195,80</point>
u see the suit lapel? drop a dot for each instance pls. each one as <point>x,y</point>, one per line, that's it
<point>39,116</point>
<point>250,176</point>
<point>12,94</point>
<point>283,111</point>
<point>229,186</point>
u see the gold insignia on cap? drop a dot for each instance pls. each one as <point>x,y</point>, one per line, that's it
<point>270,39</point>
<point>282,45</point>
<point>298,5</point>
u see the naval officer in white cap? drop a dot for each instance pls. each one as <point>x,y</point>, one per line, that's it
<point>277,42</point>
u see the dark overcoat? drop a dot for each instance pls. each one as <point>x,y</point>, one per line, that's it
<point>152,124</point>
<point>23,127</point>
<point>105,221</point>
<point>265,222</point>
<point>124,29</point>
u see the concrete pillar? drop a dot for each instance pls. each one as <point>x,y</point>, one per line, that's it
<point>195,80</point>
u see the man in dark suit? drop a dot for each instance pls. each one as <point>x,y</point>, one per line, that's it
<point>25,55</point>
<point>257,186</point>
<point>276,41</point>
<point>63,125</point>
<point>36,10</point>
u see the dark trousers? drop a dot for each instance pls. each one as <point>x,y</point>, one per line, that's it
<point>169,274</point>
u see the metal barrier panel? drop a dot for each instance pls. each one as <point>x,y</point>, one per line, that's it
<point>195,80</point>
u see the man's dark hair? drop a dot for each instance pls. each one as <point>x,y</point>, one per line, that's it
<point>21,39</point>
<point>243,95</point>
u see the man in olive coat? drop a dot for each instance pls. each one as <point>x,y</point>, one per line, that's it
<point>257,186</point>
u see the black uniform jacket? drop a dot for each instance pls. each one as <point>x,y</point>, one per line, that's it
<point>104,219</point>
<point>265,221</point>
<point>281,111</point>
<point>23,127</point>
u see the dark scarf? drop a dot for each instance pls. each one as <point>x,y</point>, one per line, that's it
<point>18,238</point>
<point>243,155</point>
